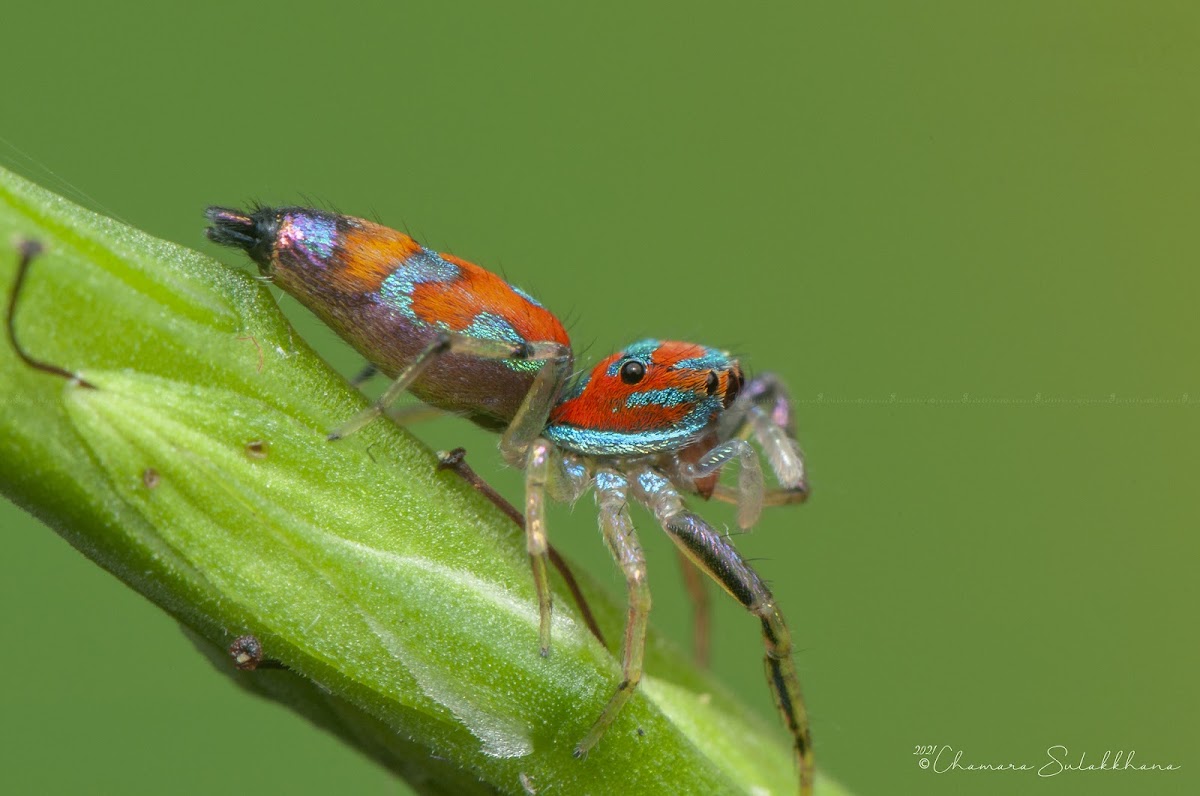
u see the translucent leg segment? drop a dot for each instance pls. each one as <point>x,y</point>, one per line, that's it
<point>530,418</point>
<point>537,469</point>
<point>771,497</point>
<point>764,409</point>
<point>750,478</point>
<point>411,414</point>
<point>619,535</point>
<point>783,452</point>
<point>441,345</point>
<point>456,462</point>
<point>448,343</point>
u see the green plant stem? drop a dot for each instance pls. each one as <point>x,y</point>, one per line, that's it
<point>399,600</point>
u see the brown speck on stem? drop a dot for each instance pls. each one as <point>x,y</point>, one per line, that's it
<point>246,652</point>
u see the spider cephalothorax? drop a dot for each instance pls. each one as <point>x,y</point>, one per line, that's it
<point>650,424</point>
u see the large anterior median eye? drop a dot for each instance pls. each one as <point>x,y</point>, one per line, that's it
<point>632,372</point>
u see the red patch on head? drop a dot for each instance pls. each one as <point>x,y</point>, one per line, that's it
<point>603,405</point>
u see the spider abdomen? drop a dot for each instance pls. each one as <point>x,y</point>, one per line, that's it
<point>390,298</point>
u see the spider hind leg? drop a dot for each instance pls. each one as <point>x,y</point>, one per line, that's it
<point>444,343</point>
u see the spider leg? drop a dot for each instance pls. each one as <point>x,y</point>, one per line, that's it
<point>537,473</point>
<point>764,409</point>
<point>530,418</point>
<point>363,376</point>
<point>716,556</point>
<point>456,462</point>
<point>767,390</point>
<point>410,414</point>
<point>619,535</point>
<point>694,583</point>
<point>401,415</point>
<point>448,343</point>
<point>783,452</point>
<point>771,497</point>
<point>750,489</point>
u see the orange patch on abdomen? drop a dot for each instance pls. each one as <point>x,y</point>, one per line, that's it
<point>368,254</point>
<point>459,302</point>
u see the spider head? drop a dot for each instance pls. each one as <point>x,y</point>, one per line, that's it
<point>651,397</point>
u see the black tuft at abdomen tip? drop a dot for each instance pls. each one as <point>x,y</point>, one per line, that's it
<point>252,232</point>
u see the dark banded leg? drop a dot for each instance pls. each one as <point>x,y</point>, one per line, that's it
<point>716,556</point>
<point>619,535</point>
<point>366,374</point>
<point>712,553</point>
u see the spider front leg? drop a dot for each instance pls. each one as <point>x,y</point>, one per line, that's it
<point>611,501</point>
<point>750,488</point>
<point>712,553</point>
<point>764,409</point>
<point>766,390</point>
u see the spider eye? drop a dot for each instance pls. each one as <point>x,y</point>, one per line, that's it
<point>632,372</point>
<point>736,381</point>
<point>713,383</point>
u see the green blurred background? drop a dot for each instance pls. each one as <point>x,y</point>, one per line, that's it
<point>964,233</point>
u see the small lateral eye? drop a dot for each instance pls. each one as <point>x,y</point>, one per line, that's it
<point>632,372</point>
<point>710,388</point>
